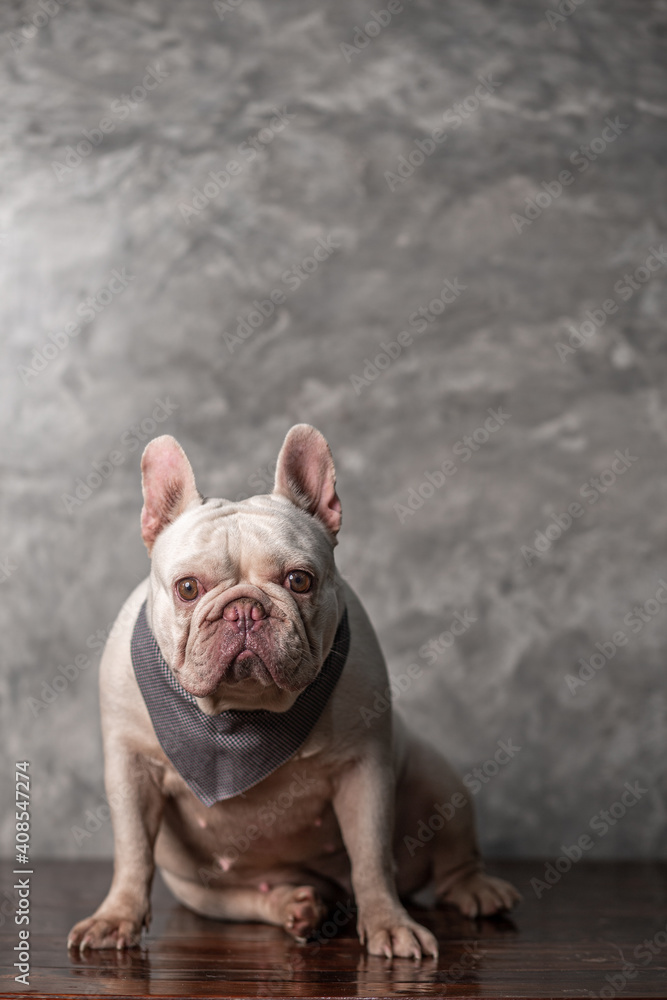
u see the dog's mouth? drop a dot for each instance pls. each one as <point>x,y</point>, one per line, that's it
<point>256,658</point>
<point>249,656</point>
<point>248,665</point>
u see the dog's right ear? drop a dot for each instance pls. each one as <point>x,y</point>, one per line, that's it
<point>168,484</point>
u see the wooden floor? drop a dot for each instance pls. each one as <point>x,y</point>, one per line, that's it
<point>578,940</point>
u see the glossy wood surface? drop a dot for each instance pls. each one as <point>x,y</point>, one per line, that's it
<point>575,941</point>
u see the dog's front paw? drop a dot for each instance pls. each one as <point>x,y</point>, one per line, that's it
<point>481,895</point>
<point>398,937</point>
<point>105,931</point>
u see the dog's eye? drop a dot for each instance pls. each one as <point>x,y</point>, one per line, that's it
<point>299,581</point>
<point>188,588</point>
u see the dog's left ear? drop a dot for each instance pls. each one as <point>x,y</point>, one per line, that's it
<point>305,474</point>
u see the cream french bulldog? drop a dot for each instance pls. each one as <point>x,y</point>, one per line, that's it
<point>238,755</point>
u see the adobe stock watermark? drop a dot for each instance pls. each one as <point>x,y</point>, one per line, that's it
<point>452,118</point>
<point>463,449</point>
<point>430,651</point>
<point>635,620</point>
<point>265,817</point>
<point>7,568</point>
<point>86,312</point>
<point>364,34</point>
<point>418,321</point>
<point>624,288</point>
<point>471,955</point>
<point>338,916</point>
<point>474,781</point>
<point>292,278</point>
<point>566,8</point>
<point>130,440</point>
<point>581,158</point>
<point>119,110</point>
<point>68,673</point>
<point>261,479</point>
<point>644,954</point>
<point>382,702</point>
<point>601,823</point>
<point>45,12</point>
<point>247,151</point>
<point>224,7</point>
<point>592,491</point>
<point>93,820</point>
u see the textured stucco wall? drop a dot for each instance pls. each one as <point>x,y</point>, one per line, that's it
<point>520,286</point>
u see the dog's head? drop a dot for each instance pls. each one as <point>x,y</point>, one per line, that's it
<point>244,598</point>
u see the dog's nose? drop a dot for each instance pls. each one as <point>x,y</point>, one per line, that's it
<point>244,612</point>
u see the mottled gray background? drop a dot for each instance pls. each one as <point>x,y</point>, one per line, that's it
<point>65,572</point>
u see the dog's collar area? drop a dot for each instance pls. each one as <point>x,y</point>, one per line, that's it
<point>220,756</point>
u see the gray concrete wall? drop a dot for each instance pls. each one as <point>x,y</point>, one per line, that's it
<point>340,164</point>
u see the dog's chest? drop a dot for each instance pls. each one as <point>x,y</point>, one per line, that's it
<point>288,816</point>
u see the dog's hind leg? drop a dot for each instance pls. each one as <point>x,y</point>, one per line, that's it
<point>436,838</point>
<point>298,909</point>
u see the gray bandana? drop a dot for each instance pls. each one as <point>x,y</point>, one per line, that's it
<point>220,756</point>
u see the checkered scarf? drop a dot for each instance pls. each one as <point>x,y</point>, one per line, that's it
<point>220,756</point>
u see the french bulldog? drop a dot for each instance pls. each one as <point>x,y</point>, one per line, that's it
<point>244,606</point>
